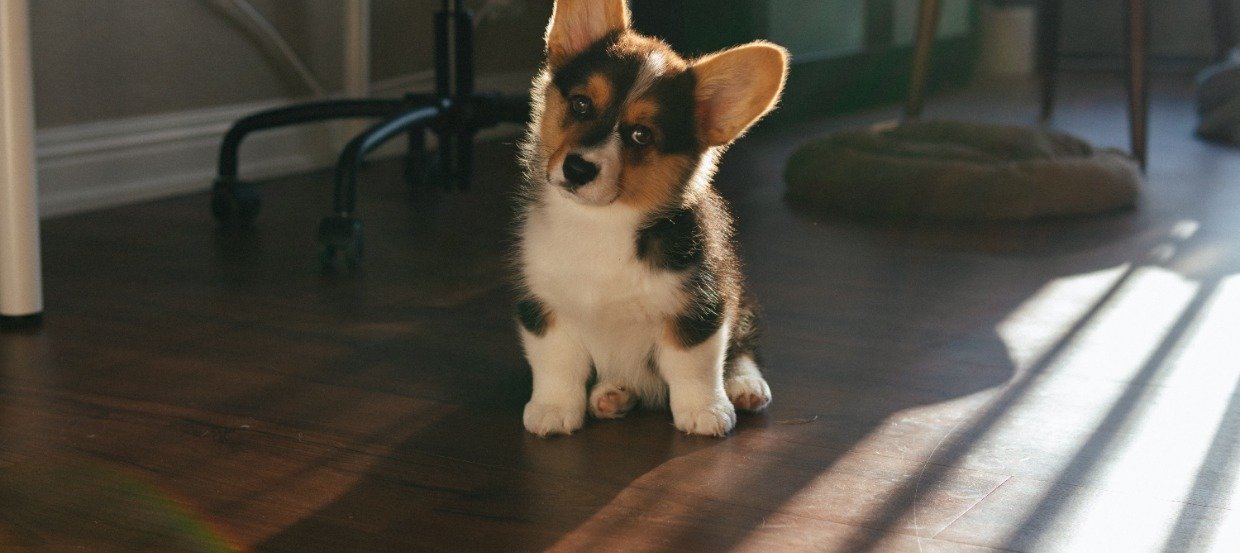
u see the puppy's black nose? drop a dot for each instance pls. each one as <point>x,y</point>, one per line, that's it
<point>578,171</point>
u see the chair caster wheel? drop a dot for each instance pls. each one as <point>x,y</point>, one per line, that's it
<point>234,202</point>
<point>340,242</point>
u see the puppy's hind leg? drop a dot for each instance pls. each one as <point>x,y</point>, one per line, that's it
<point>611,401</point>
<point>741,376</point>
<point>745,385</point>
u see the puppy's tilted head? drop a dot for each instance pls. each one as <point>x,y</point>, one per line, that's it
<point>619,117</point>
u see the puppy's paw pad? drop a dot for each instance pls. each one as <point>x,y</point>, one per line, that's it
<point>710,420</point>
<point>610,402</point>
<point>749,393</point>
<point>547,419</point>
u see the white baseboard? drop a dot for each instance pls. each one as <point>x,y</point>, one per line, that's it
<point>118,162</point>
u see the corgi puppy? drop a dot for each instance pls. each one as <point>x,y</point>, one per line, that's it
<point>629,287</point>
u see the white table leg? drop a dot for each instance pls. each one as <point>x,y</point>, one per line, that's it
<point>357,48</point>
<point>21,293</point>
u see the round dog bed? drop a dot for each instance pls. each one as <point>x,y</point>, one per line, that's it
<point>956,170</point>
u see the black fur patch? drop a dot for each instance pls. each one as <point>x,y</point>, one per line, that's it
<point>621,71</point>
<point>675,242</point>
<point>744,338</point>
<point>533,315</point>
<point>704,314</point>
<point>676,115</point>
<point>671,242</point>
<point>673,93</point>
<point>598,133</point>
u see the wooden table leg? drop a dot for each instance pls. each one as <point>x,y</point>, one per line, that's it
<point>927,26</point>
<point>1049,18</point>
<point>1138,78</point>
<point>21,294</point>
<point>1224,31</point>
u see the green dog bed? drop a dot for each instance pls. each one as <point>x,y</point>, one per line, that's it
<point>956,170</point>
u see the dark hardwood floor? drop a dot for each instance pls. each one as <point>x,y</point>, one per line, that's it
<point>1063,385</point>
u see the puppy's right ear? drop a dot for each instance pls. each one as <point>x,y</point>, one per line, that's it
<point>576,24</point>
<point>736,87</point>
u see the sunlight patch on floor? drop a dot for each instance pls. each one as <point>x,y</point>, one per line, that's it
<point>1159,445</point>
<point>1149,439</point>
<point>1161,449</point>
<point>1040,322</point>
<point>1083,408</point>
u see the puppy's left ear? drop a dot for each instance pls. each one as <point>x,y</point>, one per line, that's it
<point>576,24</point>
<point>735,88</point>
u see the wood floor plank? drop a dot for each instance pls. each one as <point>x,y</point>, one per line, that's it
<point>938,386</point>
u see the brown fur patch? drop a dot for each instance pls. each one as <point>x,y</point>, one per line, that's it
<point>649,179</point>
<point>600,91</point>
<point>652,182</point>
<point>640,111</point>
<point>672,337</point>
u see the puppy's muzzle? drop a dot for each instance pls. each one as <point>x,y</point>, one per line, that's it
<point>578,172</point>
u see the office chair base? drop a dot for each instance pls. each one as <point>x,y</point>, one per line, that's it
<point>454,112</point>
<point>340,243</point>
<point>234,203</point>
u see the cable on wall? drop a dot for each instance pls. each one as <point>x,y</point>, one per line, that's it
<point>269,39</point>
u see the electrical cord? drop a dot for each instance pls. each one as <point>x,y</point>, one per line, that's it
<point>269,39</point>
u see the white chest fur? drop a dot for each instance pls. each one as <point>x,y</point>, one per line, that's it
<point>582,262</point>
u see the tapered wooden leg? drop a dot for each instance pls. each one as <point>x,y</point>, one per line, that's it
<point>1138,78</point>
<point>1224,33</point>
<point>1049,17</point>
<point>927,25</point>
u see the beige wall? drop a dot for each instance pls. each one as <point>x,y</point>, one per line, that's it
<point>98,60</point>
<point>1179,28</point>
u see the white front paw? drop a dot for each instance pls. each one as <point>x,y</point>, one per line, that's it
<point>715,418</point>
<point>545,419</point>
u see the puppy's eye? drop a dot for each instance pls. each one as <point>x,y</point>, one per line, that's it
<point>581,105</point>
<point>640,135</point>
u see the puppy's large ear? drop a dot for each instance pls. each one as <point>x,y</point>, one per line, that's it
<point>576,24</point>
<point>735,88</point>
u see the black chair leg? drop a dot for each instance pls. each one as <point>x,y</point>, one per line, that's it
<point>234,201</point>
<point>1224,34</point>
<point>340,234</point>
<point>464,158</point>
<point>1049,18</point>
<point>1138,77</point>
<point>927,26</point>
<point>445,158</point>
<point>453,112</point>
<point>416,164</point>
